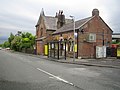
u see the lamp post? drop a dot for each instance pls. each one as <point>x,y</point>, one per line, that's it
<point>73,18</point>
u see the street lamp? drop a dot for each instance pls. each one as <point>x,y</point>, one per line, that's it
<point>73,18</point>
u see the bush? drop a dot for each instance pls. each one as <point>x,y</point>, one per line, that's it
<point>6,44</point>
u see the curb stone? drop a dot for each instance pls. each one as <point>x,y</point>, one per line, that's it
<point>60,61</point>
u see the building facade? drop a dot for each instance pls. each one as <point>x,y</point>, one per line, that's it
<point>116,37</point>
<point>90,32</point>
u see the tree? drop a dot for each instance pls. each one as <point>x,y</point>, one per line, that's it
<point>21,40</point>
<point>1,45</point>
<point>11,38</point>
<point>116,42</point>
<point>28,40</point>
<point>15,44</point>
<point>6,44</point>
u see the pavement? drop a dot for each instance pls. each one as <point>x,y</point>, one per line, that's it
<point>111,62</point>
<point>106,62</point>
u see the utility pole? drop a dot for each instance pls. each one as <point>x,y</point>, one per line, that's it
<point>103,37</point>
<point>103,41</point>
<point>73,18</point>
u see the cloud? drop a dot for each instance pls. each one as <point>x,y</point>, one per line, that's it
<point>23,14</point>
<point>14,16</point>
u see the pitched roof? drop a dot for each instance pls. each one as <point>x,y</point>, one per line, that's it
<point>69,27</point>
<point>106,24</point>
<point>51,22</point>
<point>38,21</point>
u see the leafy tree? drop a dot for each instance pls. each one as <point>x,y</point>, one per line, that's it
<point>28,39</point>
<point>1,45</point>
<point>114,42</point>
<point>21,40</point>
<point>119,43</point>
<point>6,44</point>
<point>15,44</point>
<point>10,39</point>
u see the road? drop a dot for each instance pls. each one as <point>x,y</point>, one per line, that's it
<point>24,72</point>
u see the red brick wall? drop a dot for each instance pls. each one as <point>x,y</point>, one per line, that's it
<point>40,47</point>
<point>40,28</point>
<point>96,25</point>
<point>85,49</point>
<point>39,34</point>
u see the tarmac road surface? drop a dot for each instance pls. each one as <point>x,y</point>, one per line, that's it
<point>23,72</point>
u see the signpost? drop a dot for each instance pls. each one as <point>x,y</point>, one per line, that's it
<point>118,52</point>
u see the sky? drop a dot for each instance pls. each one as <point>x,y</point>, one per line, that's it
<point>22,15</point>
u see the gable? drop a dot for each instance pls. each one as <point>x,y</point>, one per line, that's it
<point>39,21</point>
<point>105,24</point>
<point>97,24</point>
<point>41,28</point>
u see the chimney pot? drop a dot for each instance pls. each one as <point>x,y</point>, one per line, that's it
<point>61,19</point>
<point>95,12</point>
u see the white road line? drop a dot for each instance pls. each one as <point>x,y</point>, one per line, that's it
<point>58,78</point>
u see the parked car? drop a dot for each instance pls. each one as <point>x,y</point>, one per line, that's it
<point>7,48</point>
<point>0,48</point>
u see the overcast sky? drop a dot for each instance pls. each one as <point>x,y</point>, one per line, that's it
<point>22,15</point>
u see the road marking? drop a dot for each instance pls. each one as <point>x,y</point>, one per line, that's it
<point>58,78</point>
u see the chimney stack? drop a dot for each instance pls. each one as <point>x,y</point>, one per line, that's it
<point>56,15</point>
<point>95,12</point>
<point>61,19</point>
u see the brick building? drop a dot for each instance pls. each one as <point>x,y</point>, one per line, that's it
<point>90,32</point>
<point>116,37</point>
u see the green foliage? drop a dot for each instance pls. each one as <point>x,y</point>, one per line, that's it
<point>19,41</point>
<point>114,42</point>
<point>23,40</point>
<point>10,39</point>
<point>26,45</point>
<point>118,43</point>
<point>28,40</point>
<point>26,35</point>
<point>6,44</point>
<point>15,44</point>
<point>1,45</point>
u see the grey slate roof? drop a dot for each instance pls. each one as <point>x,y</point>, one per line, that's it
<point>51,22</point>
<point>69,26</point>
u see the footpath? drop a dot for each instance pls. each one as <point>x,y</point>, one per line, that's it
<point>105,62</point>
